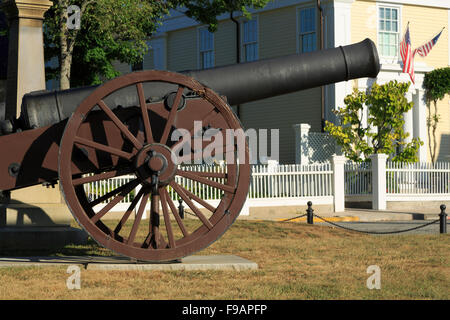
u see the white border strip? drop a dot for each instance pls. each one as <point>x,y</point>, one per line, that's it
<point>417,197</point>
<point>425,3</point>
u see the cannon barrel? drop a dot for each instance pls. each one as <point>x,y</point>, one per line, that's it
<point>239,83</point>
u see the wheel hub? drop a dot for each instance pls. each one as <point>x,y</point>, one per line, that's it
<point>154,159</point>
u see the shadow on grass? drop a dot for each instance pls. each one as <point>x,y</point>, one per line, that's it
<point>91,248</point>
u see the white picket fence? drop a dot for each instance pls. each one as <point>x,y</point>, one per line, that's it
<point>358,178</point>
<point>401,178</point>
<point>292,183</point>
<point>404,181</point>
<point>418,178</point>
<point>277,185</point>
<point>97,189</point>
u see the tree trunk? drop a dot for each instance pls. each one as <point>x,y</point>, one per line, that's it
<point>65,59</point>
<point>66,63</point>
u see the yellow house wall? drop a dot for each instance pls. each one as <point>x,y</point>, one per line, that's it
<point>364,21</point>
<point>422,29</point>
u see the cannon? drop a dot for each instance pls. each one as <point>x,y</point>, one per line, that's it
<point>126,127</point>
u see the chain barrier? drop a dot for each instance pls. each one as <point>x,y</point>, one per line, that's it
<point>290,219</point>
<point>310,214</point>
<point>377,232</point>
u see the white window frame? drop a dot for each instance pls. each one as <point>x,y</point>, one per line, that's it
<point>244,44</point>
<point>396,58</point>
<point>199,51</point>
<point>316,26</point>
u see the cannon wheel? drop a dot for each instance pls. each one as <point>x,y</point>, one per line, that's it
<point>147,155</point>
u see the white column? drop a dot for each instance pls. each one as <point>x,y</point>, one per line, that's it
<point>420,123</point>
<point>338,183</point>
<point>301,143</point>
<point>378,181</point>
<point>337,16</point>
<point>408,117</point>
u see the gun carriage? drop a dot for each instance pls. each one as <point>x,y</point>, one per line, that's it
<point>124,127</point>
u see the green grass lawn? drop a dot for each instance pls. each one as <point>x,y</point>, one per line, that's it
<point>296,261</point>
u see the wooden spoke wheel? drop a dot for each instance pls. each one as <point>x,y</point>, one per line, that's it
<point>104,141</point>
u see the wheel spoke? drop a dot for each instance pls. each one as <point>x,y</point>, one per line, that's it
<point>208,182</point>
<point>112,203</point>
<point>144,111</point>
<point>129,211</point>
<point>167,219</point>
<point>102,147</point>
<point>172,114</point>
<point>165,197</point>
<point>138,218</point>
<point>180,190</point>
<point>119,124</point>
<point>199,200</point>
<point>112,193</point>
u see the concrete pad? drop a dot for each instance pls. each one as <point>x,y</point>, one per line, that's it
<point>191,263</point>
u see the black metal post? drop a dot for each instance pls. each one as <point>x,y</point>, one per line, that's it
<point>443,220</point>
<point>181,208</point>
<point>310,213</point>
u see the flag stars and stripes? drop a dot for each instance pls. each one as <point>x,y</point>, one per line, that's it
<point>406,54</point>
<point>423,50</point>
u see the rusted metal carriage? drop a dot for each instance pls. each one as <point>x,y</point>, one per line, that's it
<point>125,126</point>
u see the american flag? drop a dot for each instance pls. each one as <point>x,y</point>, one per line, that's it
<point>407,56</point>
<point>426,48</point>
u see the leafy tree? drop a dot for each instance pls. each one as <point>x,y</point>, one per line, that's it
<point>110,30</point>
<point>116,30</point>
<point>437,85</point>
<point>386,105</point>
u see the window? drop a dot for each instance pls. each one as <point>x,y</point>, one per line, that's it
<point>307,30</point>
<point>388,34</point>
<point>250,40</point>
<point>206,48</point>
